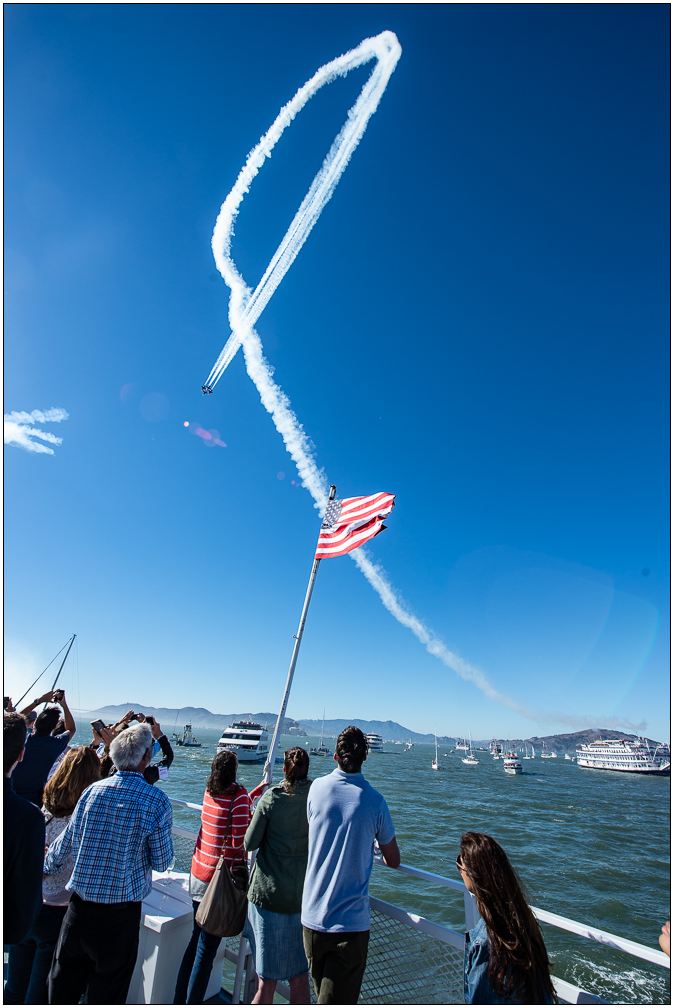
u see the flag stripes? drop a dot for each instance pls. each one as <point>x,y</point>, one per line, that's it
<point>351,522</point>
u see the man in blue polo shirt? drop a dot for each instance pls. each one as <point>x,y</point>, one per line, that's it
<point>346,815</point>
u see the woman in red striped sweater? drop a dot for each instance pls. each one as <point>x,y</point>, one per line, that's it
<point>222,794</point>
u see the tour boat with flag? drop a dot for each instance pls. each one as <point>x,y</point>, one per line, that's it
<point>187,739</point>
<point>626,756</point>
<point>248,739</point>
<point>511,764</point>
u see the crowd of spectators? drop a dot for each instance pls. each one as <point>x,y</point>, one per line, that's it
<point>84,827</point>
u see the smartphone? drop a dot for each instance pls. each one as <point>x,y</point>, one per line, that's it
<point>59,694</point>
<point>149,719</point>
<point>97,725</point>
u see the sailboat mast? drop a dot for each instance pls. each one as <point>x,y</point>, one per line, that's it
<point>65,658</point>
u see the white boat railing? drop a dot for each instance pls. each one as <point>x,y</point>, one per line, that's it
<point>452,938</point>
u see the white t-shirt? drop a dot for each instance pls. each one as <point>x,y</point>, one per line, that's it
<point>54,886</point>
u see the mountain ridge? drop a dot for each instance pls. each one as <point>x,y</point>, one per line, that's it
<point>173,719</point>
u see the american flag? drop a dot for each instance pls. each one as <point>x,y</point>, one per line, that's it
<point>351,522</point>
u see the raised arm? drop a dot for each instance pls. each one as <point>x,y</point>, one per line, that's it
<point>167,750</point>
<point>36,703</point>
<point>68,719</point>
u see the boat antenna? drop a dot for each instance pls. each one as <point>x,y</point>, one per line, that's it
<point>268,767</point>
<point>68,642</point>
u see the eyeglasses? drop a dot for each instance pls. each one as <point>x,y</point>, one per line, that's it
<point>459,864</point>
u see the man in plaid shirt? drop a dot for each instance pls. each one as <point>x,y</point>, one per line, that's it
<point>120,830</point>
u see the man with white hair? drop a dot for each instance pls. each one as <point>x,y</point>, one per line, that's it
<point>120,830</point>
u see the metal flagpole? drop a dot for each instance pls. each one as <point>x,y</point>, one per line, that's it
<point>269,765</point>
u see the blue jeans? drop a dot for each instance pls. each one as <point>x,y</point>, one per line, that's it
<point>195,969</point>
<point>29,962</point>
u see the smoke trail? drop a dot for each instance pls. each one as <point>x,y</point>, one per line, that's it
<point>17,429</point>
<point>246,306</point>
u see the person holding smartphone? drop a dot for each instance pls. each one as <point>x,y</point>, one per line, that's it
<point>43,748</point>
<point>155,771</point>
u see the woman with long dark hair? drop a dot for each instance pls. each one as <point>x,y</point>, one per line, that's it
<point>279,832</point>
<point>506,961</point>
<point>222,795</point>
<point>30,961</point>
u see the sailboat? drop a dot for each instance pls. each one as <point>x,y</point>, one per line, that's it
<point>321,750</point>
<point>526,751</point>
<point>434,764</point>
<point>471,760</point>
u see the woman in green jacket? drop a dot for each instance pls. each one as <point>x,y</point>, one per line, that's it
<point>279,832</point>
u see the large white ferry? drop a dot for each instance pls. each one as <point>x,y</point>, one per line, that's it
<point>249,740</point>
<point>375,743</point>
<point>626,755</point>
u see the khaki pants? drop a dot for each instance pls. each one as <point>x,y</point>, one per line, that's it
<point>337,962</point>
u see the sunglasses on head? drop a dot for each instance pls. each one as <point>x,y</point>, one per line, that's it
<point>459,863</point>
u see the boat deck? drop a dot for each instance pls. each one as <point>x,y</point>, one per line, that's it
<point>401,939</point>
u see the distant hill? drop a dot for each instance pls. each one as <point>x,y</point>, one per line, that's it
<point>199,717</point>
<point>170,717</point>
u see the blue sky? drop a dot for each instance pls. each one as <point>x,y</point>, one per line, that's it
<point>478,323</point>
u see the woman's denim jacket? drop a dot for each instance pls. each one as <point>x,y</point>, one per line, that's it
<point>477,988</point>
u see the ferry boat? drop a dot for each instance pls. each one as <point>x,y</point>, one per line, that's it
<point>187,739</point>
<point>511,764</point>
<point>625,755</point>
<point>375,743</point>
<point>249,740</point>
